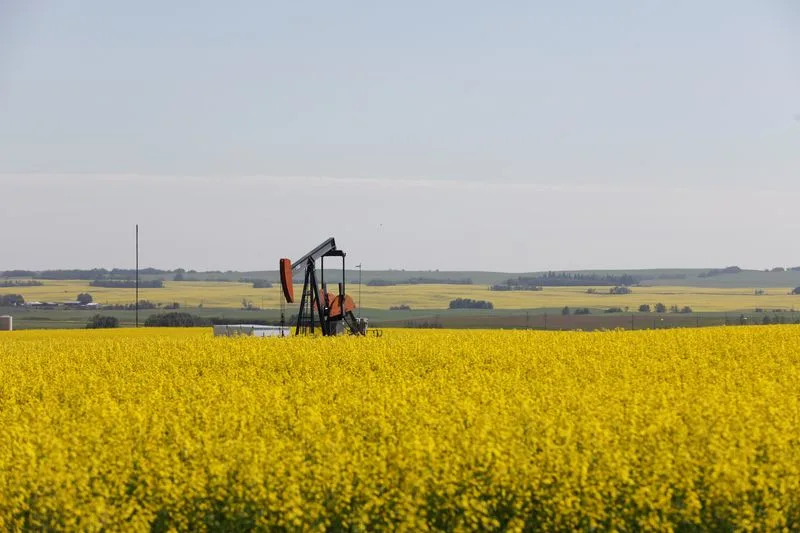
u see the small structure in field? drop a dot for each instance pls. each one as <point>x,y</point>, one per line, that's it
<point>250,330</point>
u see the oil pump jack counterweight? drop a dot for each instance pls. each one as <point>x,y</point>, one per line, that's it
<point>333,313</point>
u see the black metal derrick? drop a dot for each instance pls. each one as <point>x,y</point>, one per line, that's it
<point>315,304</point>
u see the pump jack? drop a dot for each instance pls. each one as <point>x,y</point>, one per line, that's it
<point>334,313</point>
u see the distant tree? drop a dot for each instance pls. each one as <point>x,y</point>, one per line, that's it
<point>19,274</point>
<point>176,320</point>
<point>100,322</point>
<point>661,308</point>
<point>644,308</point>
<point>766,320</point>
<point>178,277</point>
<point>796,290</point>
<point>84,298</point>
<point>779,269</point>
<point>673,308</point>
<point>128,284</point>
<point>686,309</point>
<point>21,283</point>
<point>613,310</point>
<point>582,311</point>
<point>468,303</point>
<point>565,310</point>
<point>11,300</point>
<point>726,270</point>
<point>619,290</point>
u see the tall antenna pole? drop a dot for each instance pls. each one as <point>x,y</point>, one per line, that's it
<point>137,275</point>
<point>359,290</point>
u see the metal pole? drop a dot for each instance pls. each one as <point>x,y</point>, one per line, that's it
<point>137,276</point>
<point>359,293</point>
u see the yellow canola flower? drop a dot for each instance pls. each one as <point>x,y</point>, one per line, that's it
<point>417,430</point>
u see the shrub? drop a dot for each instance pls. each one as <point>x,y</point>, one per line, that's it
<point>11,300</point>
<point>468,303</point>
<point>143,304</point>
<point>644,308</point>
<point>661,308</point>
<point>257,283</point>
<point>101,322</point>
<point>613,310</point>
<point>176,320</point>
<point>127,284</point>
<point>84,298</point>
<point>21,283</point>
<point>582,311</point>
<point>401,307</point>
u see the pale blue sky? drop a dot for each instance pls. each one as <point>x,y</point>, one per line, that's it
<point>633,100</point>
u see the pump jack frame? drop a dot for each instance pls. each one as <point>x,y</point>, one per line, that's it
<point>316,302</point>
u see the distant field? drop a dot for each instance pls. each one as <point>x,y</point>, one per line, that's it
<point>684,277</point>
<point>229,295</point>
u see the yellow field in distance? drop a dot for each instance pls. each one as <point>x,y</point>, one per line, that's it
<point>231,294</point>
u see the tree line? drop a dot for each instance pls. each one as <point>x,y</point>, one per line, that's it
<point>565,279</point>
<point>418,281</point>
<point>469,303</point>
<point>127,284</point>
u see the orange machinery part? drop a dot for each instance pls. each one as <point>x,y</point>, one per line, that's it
<point>286,279</point>
<point>335,305</point>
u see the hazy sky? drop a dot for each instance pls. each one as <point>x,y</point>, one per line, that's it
<point>454,134</point>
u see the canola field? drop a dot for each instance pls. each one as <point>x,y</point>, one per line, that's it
<point>191,294</point>
<point>132,430</point>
